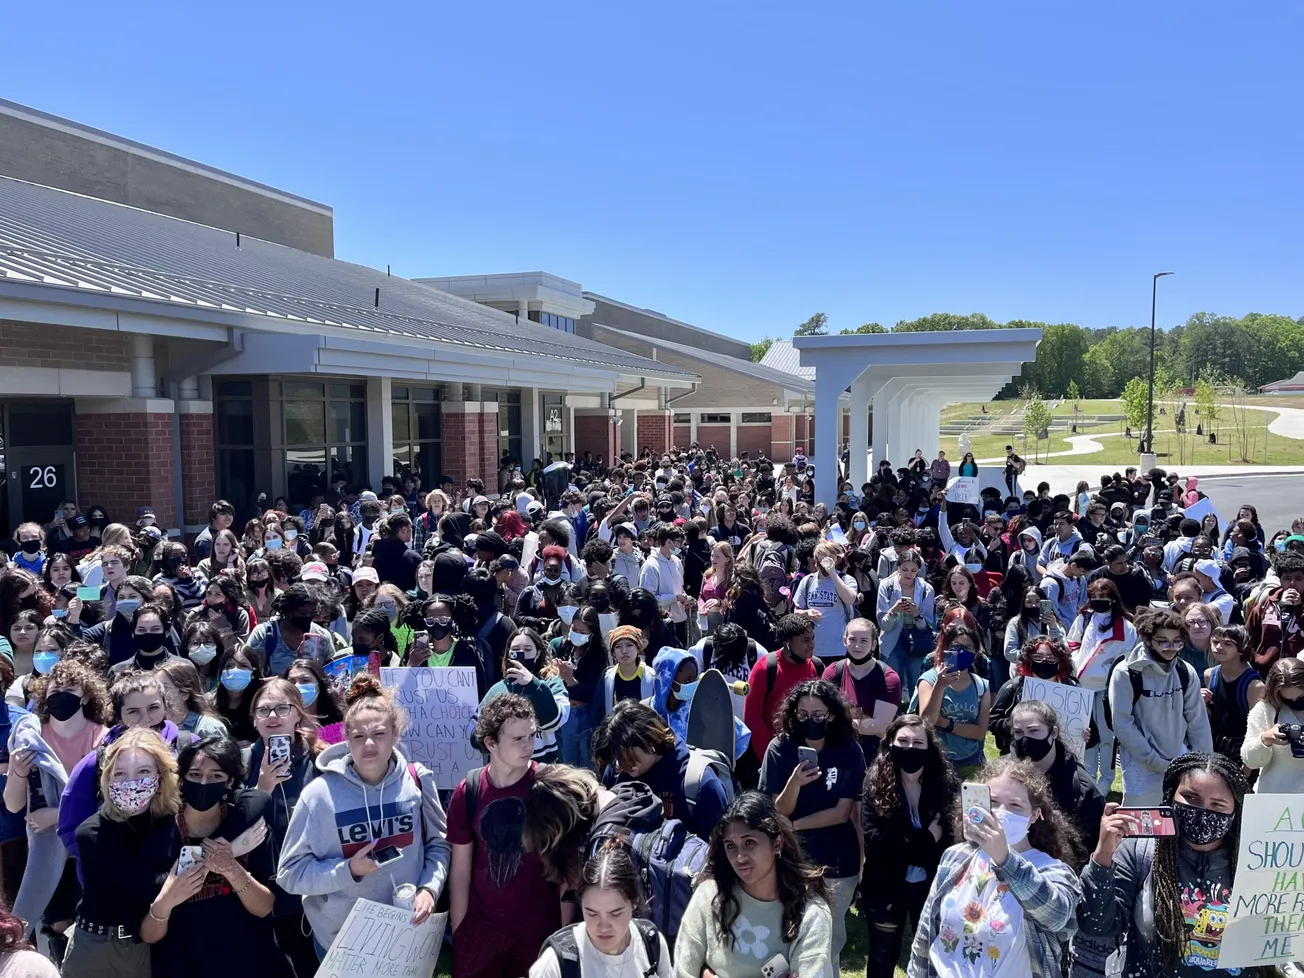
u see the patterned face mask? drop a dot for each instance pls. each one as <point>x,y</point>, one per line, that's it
<point>1200,826</point>
<point>133,796</point>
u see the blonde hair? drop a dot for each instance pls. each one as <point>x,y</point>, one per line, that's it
<point>167,800</point>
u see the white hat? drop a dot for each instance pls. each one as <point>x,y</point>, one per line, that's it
<point>314,571</point>
<point>1209,568</point>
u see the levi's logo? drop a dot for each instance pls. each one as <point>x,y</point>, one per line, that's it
<point>390,824</point>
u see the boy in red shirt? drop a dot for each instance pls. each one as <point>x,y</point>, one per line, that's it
<point>770,680</point>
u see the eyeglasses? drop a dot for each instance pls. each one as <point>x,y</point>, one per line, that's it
<point>432,622</point>
<point>803,716</point>
<point>281,710</point>
<point>1198,622</point>
<point>1168,643</point>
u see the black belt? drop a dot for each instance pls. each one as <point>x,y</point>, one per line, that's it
<point>116,931</point>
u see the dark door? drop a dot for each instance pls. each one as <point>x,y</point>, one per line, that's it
<point>39,479</point>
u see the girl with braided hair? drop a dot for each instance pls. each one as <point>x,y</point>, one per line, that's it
<point>1158,894</point>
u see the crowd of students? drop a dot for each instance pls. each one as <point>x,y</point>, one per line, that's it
<point>184,756</point>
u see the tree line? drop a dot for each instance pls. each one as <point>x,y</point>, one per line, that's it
<point>1255,349</point>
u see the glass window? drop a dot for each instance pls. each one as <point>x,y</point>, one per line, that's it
<point>305,422</point>
<point>402,430</point>
<point>417,434</point>
<point>533,315</point>
<point>303,388</point>
<point>758,417</point>
<point>233,388</point>
<point>348,421</point>
<point>40,424</point>
<point>235,422</point>
<point>714,418</point>
<point>305,474</point>
<point>683,419</point>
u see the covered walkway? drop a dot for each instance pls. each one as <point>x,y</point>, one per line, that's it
<point>908,377</point>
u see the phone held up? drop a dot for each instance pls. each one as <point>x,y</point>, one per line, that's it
<point>1149,822</point>
<point>808,757</point>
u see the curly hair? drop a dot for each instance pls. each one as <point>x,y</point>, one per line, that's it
<point>1151,620</point>
<point>1170,921</point>
<point>66,674</point>
<point>939,789</point>
<point>840,725</point>
<point>500,709</point>
<point>1063,661</point>
<point>1051,833</point>
<point>799,879</point>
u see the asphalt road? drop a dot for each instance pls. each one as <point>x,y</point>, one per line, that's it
<point>1278,498</point>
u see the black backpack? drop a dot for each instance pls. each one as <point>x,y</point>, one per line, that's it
<point>772,669</point>
<point>566,948</point>
<point>1185,672</point>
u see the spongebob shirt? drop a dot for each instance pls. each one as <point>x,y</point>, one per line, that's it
<point>980,927</point>
<point>1204,893</point>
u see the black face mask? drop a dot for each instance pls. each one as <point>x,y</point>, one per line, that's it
<point>31,546</point>
<point>202,797</point>
<point>813,729</point>
<point>440,630</point>
<point>1043,670</point>
<point>909,759</point>
<point>1031,748</point>
<point>1102,605</point>
<point>258,583</point>
<point>1200,826</point>
<point>861,661</point>
<point>302,622</point>
<point>150,642</point>
<point>63,704</point>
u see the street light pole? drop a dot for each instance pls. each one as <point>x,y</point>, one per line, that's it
<point>1149,445</point>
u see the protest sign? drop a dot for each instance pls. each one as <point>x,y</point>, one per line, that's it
<point>441,703</point>
<point>1263,922</point>
<point>964,489</point>
<point>1203,508</point>
<point>1072,704</point>
<point>341,671</point>
<point>379,941</point>
<point>836,535</point>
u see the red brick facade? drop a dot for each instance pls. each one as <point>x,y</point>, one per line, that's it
<point>198,467</point>
<point>125,461</point>
<point>598,433</point>
<point>683,435</point>
<point>63,347</point>
<point>781,444</point>
<point>756,439</point>
<point>654,430</point>
<point>715,436</point>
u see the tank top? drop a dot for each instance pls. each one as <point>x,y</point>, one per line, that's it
<point>1230,711</point>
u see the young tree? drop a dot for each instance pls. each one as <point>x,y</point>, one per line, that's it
<point>1074,394</point>
<point>1036,422</point>
<point>1134,398</point>
<point>759,349</point>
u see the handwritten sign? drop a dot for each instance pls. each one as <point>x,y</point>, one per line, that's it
<point>1263,922</point>
<point>440,703</point>
<point>379,941</point>
<point>1072,704</point>
<point>1203,508</point>
<point>964,489</point>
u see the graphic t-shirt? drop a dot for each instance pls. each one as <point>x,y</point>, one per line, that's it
<point>818,592</point>
<point>507,885</point>
<point>627,689</point>
<point>1204,907</point>
<point>842,773</point>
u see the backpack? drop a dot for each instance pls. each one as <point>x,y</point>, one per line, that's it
<point>566,948</point>
<point>668,860</point>
<point>701,760</point>
<point>1185,672</point>
<point>472,795</point>
<point>772,669</point>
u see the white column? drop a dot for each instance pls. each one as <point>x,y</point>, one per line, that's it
<point>929,418</point>
<point>530,442</point>
<point>858,465</point>
<point>523,308</point>
<point>380,428</point>
<point>827,417</point>
<point>733,434</point>
<point>144,382</point>
<point>883,408</point>
<point>188,389</point>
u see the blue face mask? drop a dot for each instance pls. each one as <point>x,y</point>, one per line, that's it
<point>1279,546</point>
<point>43,662</point>
<point>274,543</point>
<point>308,691</point>
<point>60,612</point>
<point>127,606</point>
<point>686,690</point>
<point>236,679</point>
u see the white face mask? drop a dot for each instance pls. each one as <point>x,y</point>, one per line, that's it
<point>202,655</point>
<point>1014,824</point>
<point>578,640</point>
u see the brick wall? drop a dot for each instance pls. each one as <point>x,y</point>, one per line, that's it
<point>488,470</point>
<point>596,433</point>
<point>125,461</point>
<point>781,442</point>
<point>198,466</point>
<point>63,347</point>
<point>683,435</point>
<point>756,439</point>
<point>654,431</point>
<point>461,433</point>
<point>714,435</point>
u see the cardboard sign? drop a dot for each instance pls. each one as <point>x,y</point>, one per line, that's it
<point>1201,509</point>
<point>1072,704</point>
<point>964,489</point>
<point>1262,923</point>
<point>441,704</point>
<point>379,941</point>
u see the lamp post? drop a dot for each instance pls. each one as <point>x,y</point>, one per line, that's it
<point>1149,445</point>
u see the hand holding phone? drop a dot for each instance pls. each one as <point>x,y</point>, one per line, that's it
<point>1149,822</point>
<point>776,967</point>
<point>808,757</point>
<point>975,803</point>
<point>191,856</point>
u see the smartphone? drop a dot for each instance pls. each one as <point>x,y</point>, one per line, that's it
<point>1047,607</point>
<point>386,854</point>
<point>959,659</point>
<point>278,749</point>
<point>776,967</point>
<point>421,639</point>
<point>191,856</point>
<point>808,756</point>
<point>1150,822</point>
<point>88,594</point>
<point>974,795</point>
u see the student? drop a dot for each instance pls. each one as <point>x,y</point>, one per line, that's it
<point>954,698</point>
<point>1231,688</point>
<point>330,863</point>
<point>906,619</point>
<point>1043,658</point>
<point>1006,888</point>
<point>449,645</point>
<point>115,634</point>
<point>758,897</point>
<point>151,628</point>
<point>1099,638</point>
<point>240,673</point>
<point>634,744</point>
<point>581,657</point>
<point>188,706</point>
<point>280,640</point>
<point>611,940</point>
<point>820,798</point>
<point>320,698</point>
<point>501,905</point>
<point>1157,707</point>
<point>1035,731</point>
<point>627,678</point>
<point>833,594</point>
<point>663,575</point>
<point>279,711</point>
<point>529,671</point>
<point>868,684</point>
<point>1182,880</point>
<point>1266,748</point>
<point>775,675</point>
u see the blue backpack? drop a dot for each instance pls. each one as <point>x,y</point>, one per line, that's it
<point>668,860</point>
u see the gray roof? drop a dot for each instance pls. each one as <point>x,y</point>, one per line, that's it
<point>64,240</point>
<point>757,371</point>
<point>782,355</point>
<point>1290,383</point>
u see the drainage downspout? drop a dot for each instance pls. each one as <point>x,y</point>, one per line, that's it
<point>633,390</point>
<point>174,392</point>
<point>680,397</point>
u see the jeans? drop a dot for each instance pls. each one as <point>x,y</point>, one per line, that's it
<point>575,737</point>
<point>1099,760</point>
<point>885,913</point>
<point>843,891</point>
<point>907,659</point>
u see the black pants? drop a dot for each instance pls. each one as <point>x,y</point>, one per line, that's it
<point>747,770</point>
<point>1010,476</point>
<point>890,905</point>
<point>295,945</point>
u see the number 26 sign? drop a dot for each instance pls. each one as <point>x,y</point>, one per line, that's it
<point>42,476</point>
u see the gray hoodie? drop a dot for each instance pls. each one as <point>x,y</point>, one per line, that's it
<point>46,855</point>
<point>1028,560</point>
<point>1165,722</point>
<point>338,814</point>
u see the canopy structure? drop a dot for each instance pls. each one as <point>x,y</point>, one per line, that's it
<point>908,377</point>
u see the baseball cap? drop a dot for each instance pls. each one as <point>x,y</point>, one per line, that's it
<point>316,571</point>
<point>1207,567</point>
<point>77,522</point>
<point>153,532</point>
<point>367,495</point>
<point>366,574</point>
<point>145,511</point>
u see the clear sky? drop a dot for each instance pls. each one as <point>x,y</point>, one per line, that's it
<point>740,165</point>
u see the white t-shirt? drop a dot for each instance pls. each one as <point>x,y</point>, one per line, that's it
<point>630,963</point>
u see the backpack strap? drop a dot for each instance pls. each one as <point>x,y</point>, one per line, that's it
<point>651,944</point>
<point>472,795</point>
<point>694,775</point>
<point>771,671</point>
<point>566,948</point>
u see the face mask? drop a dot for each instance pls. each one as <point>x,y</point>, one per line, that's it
<point>686,690</point>
<point>273,543</point>
<point>60,612</point>
<point>909,759</point>
<point>43,662</point>
<point>304,622</point>
<point>308,691</point>
<point>551,580</point>
<point>858,525</point>
<point>127,606</point>
<point>567,613</point>
<point>973,568</point>
<point>923,509</point>
<point>868,656</point>
<point>291,535</point>
<point>1200,826</point>
<point>813,729</point>
<point>236,680</point>
<point>202,797</point>
<point>1014,824</point>
<point>608,622</point>
<point>1044,670</point>
<point>63,704</point>
<point>1102,606</point>
<point>133,796</point>
<point>1279,546</point>
<point>440,630</point>
<point>578,640</point>
<point>1031,748</point>
<point>202,655</point>
<point>676,551</point>
<point>256,583</point>
<point>150,642</point>
<point>31,546</point>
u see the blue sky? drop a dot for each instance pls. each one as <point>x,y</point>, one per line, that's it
<point>740,166</point>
